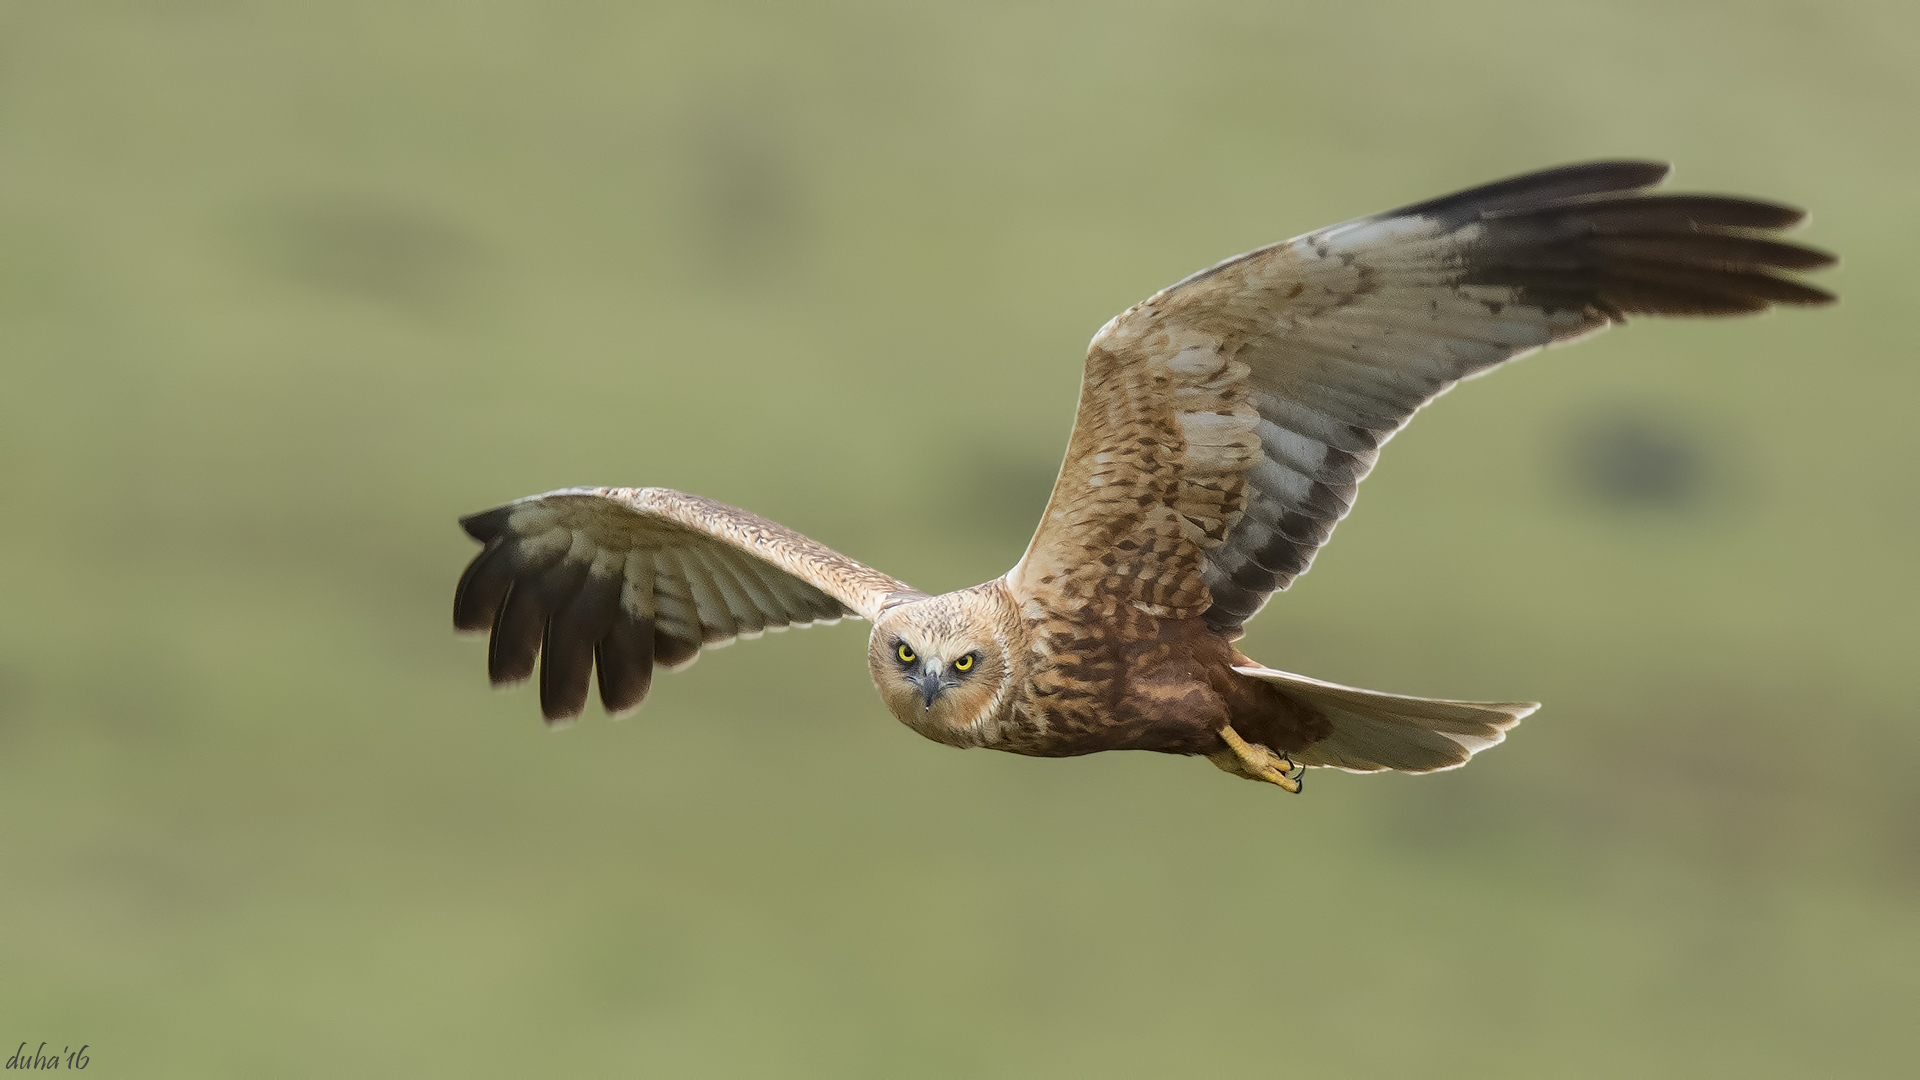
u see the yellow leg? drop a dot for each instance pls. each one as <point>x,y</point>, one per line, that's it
<point>1242,758</point>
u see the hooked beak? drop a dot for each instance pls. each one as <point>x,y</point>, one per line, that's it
<point>929,680</point>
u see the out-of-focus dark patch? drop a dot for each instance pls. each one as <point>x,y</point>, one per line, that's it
<point>141,695</point>
<point>368,248</point>
<point>36,278</point>
<point>624,963</point>
<point>1637,457</point>
<point>743,193</point>
<point>13,693</point>
<point>1900,836</point>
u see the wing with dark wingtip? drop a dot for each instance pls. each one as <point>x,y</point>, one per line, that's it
<point>1225,422</point>
<point>625,578</point>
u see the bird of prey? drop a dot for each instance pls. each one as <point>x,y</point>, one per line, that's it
<point>1223,425</point>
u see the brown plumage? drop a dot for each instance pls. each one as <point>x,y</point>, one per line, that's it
<point>1223,426</point>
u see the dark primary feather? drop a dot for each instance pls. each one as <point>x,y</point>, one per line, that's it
<point>547,611</point>
<point>482,587</point>
<point>624,659</point>
<point>1560,183</point>
<point>517,629</point>
<point>487,524</point>
<point>1570,233</point>
<point>672,652</point>
<point>566,660</point>
<point>1645,255</point>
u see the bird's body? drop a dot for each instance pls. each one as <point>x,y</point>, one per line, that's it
<point>1110,677</point>
<point>1223,426</point>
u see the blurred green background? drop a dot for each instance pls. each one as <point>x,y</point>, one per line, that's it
<point>285,288</point>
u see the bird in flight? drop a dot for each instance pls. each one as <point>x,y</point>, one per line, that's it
<point>1223,425</point>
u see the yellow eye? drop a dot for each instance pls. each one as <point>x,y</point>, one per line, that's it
<point>965,663</point>
<point>905,654</point>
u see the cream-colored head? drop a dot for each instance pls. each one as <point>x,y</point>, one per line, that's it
<point>943,665</point>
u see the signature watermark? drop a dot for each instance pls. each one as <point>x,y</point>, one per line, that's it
<point>40,1059</point>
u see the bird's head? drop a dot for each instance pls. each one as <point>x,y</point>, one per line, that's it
<point>942,664</point>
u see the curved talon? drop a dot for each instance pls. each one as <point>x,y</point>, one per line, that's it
<point>1255,762</point>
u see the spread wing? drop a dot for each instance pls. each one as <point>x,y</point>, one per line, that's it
<point>626,578</point>
<point>1224,422</point>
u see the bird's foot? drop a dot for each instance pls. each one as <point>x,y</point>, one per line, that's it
<point>1256,762</point>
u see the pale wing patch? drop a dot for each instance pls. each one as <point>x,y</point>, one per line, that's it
<point>638,590</point>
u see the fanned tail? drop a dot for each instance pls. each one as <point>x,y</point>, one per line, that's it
<point>1374,731</point>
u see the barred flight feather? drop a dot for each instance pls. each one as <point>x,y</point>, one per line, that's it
<point>623,579</point>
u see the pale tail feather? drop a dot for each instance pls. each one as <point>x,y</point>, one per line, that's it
<point>1374,731</point>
